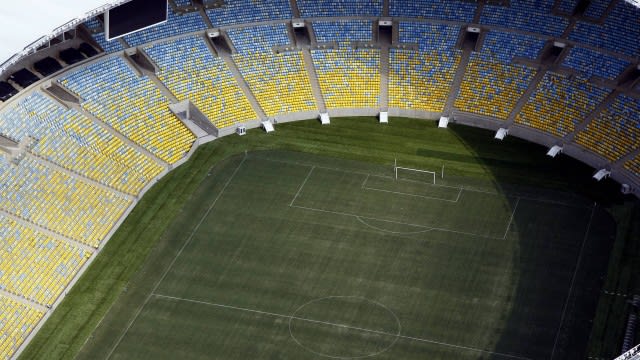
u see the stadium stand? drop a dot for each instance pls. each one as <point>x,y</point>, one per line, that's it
<point>590,62</point>
<point>597,8</point>
<point>331,8</point>
<point>176,24</point>
<point>349,78</point>
<point>59,202</point>
<point>560,103</point>
<point>619,33</point>
<point>248,11</point>
<point>190,71</point>
<point>492,84</point>
<point>132,105</point>
<point>182,2</point>
<point>633,165</point>
<point>93,25</point>
<point>107,46</point>
<point>616,131</point>
<point>279,82</point>
<point>421,80</point>
<point>16,323</point>
<point>72,141</point>
<point>568,5</point>
<point>34,265</point>
<point>343,31</point>
<point>531,16</point>
<point>433,9</point>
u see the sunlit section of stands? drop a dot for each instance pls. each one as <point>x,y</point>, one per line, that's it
<point>560,103</point>
<point>342,31</point>
<point>16,323</point>
<point>330,8</point>
<point>616,131</point>
<point>191,72</point>
<point>433,9</point>
<point>247,11</point>
<point>348,78</point>
<point>279,82</point>
<point>72,141</point>
<point>633,165</point>
<point>34,265</point>
<point>421,80</point>
<point>590,62</point>
<point>132,105</point>
<point>619,33</point>
<point>176,24</point>
<point>58,202</point>
<point>492,84</point>
<point>532,16</point>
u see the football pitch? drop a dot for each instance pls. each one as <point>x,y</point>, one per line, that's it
<point>287,255</point>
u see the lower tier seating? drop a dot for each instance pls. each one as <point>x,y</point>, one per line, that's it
<point>492,88</point>
<point>279,82</point>
<point>421,81</point>
<point>559,104</point>
<point>34,265</point>
<point>191,72</point>
<point>616,131</point>
<point>59,202</point>
<point>16,323</point>
<point>349,78</point>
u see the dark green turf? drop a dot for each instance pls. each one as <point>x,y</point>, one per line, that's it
<point>270,244</point>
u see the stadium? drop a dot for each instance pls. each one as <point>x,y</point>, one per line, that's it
<point>312,179</point>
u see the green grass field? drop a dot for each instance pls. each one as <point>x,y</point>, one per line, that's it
<point>307,247</point>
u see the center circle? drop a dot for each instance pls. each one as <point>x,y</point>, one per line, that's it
<point>344,327</point>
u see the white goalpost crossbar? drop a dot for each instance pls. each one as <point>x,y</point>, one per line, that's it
<point>416,170</point>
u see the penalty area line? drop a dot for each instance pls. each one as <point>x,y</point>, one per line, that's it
<point>343,326</point>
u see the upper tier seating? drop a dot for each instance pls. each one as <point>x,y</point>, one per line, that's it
<point>259,38</point>
<point>132,105</point>
<point>59,202</point>
<point>70,140</point>
<point>343,31</point>
<point>590,63</point>
<point>35,265</point>
<point>531,16</point>
<point>616,131</point>
<point>107,46</point>
<point>247,11</point>
<point>182,2</point>
<point>560,103</point>
<point>492,84</point>
<point>190,71</point>
<point>349,78</point>
<point>176,24</point>
<point>433,9</point>
<point>567,6</point>
<point>619,33</point>
<point>16,323</point>
<point>330,8</point>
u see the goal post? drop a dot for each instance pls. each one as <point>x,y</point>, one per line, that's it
<point>415,174</point>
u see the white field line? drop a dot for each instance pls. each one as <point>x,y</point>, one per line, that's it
<point>187,242</point>
<point>513,213</point>
<point>302,185</point>
<point>573,279</point>
<point>469,189</point>
<point>397,222</point>
<point>393,232</point>
<point>344,326</point>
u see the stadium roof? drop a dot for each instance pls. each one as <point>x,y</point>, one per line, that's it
<point>25,21</point>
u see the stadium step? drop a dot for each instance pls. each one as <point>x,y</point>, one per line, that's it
<point>313,77</point>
